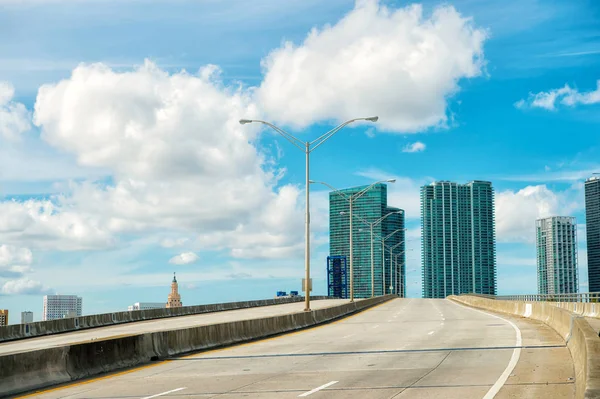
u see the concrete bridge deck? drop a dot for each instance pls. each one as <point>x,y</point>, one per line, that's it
<point>171,323</point>
<point>404,348</point>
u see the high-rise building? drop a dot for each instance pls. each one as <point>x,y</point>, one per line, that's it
<point>26,317</point>
<point>556,239</point>
<point>60,306</point>
<point>174,299</point>
<point>3,317</point>
<point>458,239</point>
<point>368,208</point>
<point>146,306</point>
<point>592,226</point>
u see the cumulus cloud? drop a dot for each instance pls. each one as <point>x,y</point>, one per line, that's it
<point>179,158</point>
<point>414,147</point>
<point>394,63</point>
<point>184,259</point>
<point>565,95</point>
<point>517,211</point>
<point>276,232</point>
<point>172,243</point>
<point>14,261</point>
<point>24,286</point>
<point>14,117</point>
<point>48,225</point>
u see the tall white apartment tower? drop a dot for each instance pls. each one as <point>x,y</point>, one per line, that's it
<point>60,306</point>
<point>556,239</point>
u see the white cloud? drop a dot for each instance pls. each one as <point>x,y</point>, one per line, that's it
<point>394,63</point>
<point>180,160</point>
<point>184,259</point>
<point>173,243</point>
<point>46,225</point>
<point>14,117</point>
<point>24,286</point>
<point>414,147</point>
<point>516,212</point>
<point>565,95</point>
<point>14,261</point>
<point>273,232</point>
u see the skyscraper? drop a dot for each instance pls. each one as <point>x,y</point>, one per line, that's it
<point>592,226</point>
<point>174,299</point>
<point>556,239</point>
<point>60,306</point>
<point>371,206</point>
<point>26,317</point>
<point>458,239</point>
<point>3,317</point>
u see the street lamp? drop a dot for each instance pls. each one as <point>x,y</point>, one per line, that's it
<point>383,254</point>
<point>403,290</point>
<point>371,225</point>
<point>392,276</point>
<point>351,199</point>
<point>308,147</point>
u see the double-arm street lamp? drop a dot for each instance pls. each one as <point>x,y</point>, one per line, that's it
<point>351,199</point>
<point>392,274</point>
<point>371,226</point>
<point>383,255</point>
<point>402,291</point>
<point>308,147</point>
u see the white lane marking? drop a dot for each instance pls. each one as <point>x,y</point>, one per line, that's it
<point>443,318</point>
<point>430,332</point>
<point>318,389</point>
<point>348,336</point>
<point>513,359</point>
<point>164,393</point>
<point>376,326</point>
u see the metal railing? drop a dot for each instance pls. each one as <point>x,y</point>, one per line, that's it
<point>578,297</point>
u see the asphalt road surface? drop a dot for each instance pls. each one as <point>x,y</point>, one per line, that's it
<point>405,348</point>
<point>169,323</point>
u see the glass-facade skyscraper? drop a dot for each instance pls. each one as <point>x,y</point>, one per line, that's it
<point>371,206</point>
<point>556,239</point>
<point>592,226</point>
<point>458,239</point>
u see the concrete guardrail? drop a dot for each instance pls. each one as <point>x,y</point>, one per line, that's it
<point>28,371</point>
<point>581,339</point>
<point>41,328</point>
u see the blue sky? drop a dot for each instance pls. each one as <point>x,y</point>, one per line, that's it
<point>100,190</point>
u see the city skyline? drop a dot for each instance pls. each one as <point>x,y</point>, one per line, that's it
<point>124,158</point>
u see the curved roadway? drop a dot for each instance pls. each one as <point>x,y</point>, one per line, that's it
<point>405,348</point>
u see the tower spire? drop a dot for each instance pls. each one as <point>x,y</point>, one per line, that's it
<point>174,278</point>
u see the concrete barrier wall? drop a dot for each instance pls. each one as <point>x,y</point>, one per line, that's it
<point>27,371</point>
<point>581,339</point>
<point>40,328</point>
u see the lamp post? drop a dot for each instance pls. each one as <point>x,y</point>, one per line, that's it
<point>396,275</point>
<point>371,225</point>
<point>383,254</point>
<point>307,147</point>
<point>351,199</point>
<point>392,275</point>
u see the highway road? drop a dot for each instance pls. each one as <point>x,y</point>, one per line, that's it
<point>405,348</point>
<point>170,323</point>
